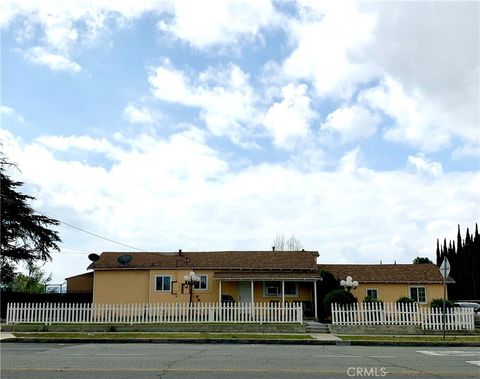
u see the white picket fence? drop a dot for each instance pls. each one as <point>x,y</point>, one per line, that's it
<point>402,314</point>
<point>49,313</point>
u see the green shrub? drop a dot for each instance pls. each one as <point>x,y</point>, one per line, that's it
<point>340,297</point>
<point>369,299</point>
<point>438,303</point>
<point>404,300</point>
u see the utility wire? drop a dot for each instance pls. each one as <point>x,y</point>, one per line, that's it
<point>98,236</point>
<point>92,234</point>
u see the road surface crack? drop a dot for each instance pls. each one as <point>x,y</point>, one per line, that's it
<point>170,364</point>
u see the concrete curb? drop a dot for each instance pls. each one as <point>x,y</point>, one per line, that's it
<point>413,343</point>
<point>170,340</point>
<point>244,341</point>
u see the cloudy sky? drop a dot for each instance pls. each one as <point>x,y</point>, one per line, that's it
<point>218,125</point>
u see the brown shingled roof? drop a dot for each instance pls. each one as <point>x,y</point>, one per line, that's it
<point>381,273</point>
<point>227,260</point>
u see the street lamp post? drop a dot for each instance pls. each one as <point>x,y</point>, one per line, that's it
<point>348,284</point>
<point>190,281</point>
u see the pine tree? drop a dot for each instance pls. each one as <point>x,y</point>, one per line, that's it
<point>26,236</point>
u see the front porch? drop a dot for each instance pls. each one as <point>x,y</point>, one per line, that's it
<point>273,289</point>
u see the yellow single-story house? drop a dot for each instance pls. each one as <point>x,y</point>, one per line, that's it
<point>389,282</point>
<point>235,276</point>
<point>245,277</point>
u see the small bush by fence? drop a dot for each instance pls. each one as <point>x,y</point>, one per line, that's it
<point>402,314</point>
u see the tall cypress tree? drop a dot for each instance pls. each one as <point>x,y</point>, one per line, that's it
<point>464,261</point>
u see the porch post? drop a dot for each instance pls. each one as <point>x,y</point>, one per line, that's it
<point>283,293</point>
<point>252,289</point>
<point>219,292</point>
<point>315,297</point>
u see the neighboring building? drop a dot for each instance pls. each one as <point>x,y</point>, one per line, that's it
<point>82,283</point>
<point>389,282</point>
<point>244,276</point>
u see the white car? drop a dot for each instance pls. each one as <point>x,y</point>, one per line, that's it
<point>463,304</point>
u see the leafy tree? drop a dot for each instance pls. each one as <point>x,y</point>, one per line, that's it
<point>339,296</point>
<point>421,260</point>
<point>35,282</point>
<point>26,236</point>
<point>280,243</point>
<point>327,285</point>
<point>438,303</point>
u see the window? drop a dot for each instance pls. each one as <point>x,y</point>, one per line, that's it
<point>291,289</point>
<point>275,289</point>
<point>272,288</point>
<point>163,283</point>
<point>202,284</point>
<point>372,292</point>
<point>418,294</point>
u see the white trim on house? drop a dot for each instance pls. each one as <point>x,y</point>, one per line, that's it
<point>163,283</point>
<point>424,290</point>
<point>200,282</point>
<point>279,294</point>
<point>372,289</point>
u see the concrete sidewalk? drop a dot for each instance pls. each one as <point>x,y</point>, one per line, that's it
<point>317,339</point>
<point>6,336</point>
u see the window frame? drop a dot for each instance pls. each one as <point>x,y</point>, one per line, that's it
<point>206,283</point>
<point>372,289</point>
<point>163,283</point>
<point>410,288</point>
<point>279,294</point>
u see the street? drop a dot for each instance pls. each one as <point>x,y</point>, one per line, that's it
<point>22,360</point>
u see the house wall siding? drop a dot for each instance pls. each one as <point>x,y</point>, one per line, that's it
<point>121,286</point>
<point>391,292</point>
<point>80,283</point>
<point>138,286</point>
<point>176,296</point>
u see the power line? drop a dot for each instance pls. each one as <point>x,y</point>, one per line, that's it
<point>98,236</point>
<point>74,249</point>
<point>92,234</point>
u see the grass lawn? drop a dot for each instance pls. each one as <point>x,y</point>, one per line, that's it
<point>472,338</point>
<point>153,335</point>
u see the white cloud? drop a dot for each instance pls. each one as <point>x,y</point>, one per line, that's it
<point>429,66</point>
<point>423,164</point>
<point>176,192</point>
<point>224,97</point>
<point>10,112</point>
<point>417,121</point>
<point>289,120</point>
<point>62,26</point>
<point>138,115</point>
<point>219,21</point>
<point>329,37</point>
<point>352,123</point>
<point>85,143</point>
<point>350,162</point>
<point>40,56</point>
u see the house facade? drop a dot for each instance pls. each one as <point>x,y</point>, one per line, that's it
<point>389,282</point>
<point>240,276</point>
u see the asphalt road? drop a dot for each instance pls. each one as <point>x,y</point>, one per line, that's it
<point>21,360</point>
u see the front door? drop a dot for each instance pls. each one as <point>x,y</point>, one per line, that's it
<point>244,292</point>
